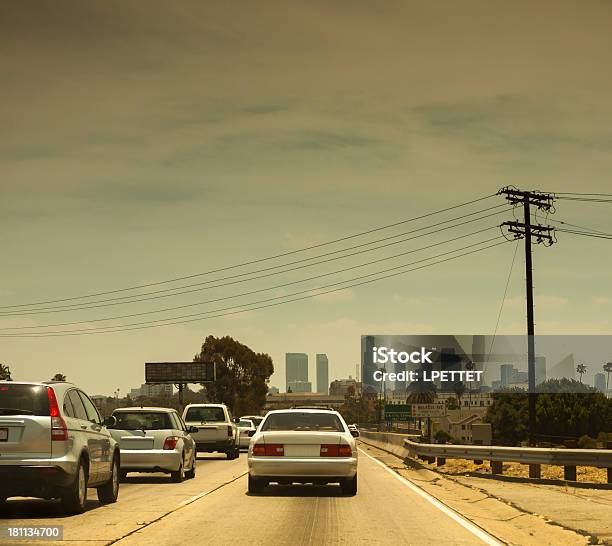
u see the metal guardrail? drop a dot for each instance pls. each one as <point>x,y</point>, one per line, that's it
<point>601,458</point>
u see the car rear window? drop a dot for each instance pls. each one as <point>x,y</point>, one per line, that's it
<point>245,424</point>
<point>24,400</point>
<point>324,422</point>
<point>205,414</point>
<point>141,420</point>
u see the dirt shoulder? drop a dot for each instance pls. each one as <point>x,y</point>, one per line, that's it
<point>515,512</point>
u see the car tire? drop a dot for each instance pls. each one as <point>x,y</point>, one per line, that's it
<point>123,475</point>
<point>237,452</point>
<point>74,498</point>
<point>192,471</point>
<point>230,455</point>
<point>255,485</point>
<point>108,493</point>
<point>349,486</point>
<point>179,475</point>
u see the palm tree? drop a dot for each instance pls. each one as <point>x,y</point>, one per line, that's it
<point>608,369</point>
<point>581,369</point>
<point>5,373</point>
<point>58,377</point>
<point>459,390</point>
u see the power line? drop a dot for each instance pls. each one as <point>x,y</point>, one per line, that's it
<point>579,227</point>
<point>177,291</point>
<point>594,235</point>
<point>501,307</point>
<point>259,260</point>
<point>149,324</point>
<point>585,194</point>
<point>276,287</point>
<point>585,199</point>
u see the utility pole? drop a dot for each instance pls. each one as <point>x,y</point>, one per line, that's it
<point>542,234</point>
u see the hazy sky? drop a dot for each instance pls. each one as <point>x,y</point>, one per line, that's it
<point>148,140</point>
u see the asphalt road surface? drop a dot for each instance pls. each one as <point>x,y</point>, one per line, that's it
<point>214,508</point>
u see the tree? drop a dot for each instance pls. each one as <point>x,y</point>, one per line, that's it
<point>459,390</point>
<point>58,377</point>
<point>566,408</point>
<point>441,437</point>
<point>355,408</point>
<point>5,373</point>
<point>581,369</point>
<point>509,416</point>
<point>608,369</point>
<point>242,375</point>
<point>451,403</point>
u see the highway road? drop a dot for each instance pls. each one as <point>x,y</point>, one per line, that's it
<point>214,508</point>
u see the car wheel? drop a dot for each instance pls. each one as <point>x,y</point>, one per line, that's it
<point>179,475</point>
<point>237,453</point>
<point>192,471</point>
<point>123,475</point>
<point>230,455</point>
<point>109,492</point>
<point>349,486</point>
<point>75,497</point>
<point>255,486</point>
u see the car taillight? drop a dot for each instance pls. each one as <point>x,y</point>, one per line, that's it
<point>345,451</point>
<point>229,431</point>
<point>275,450</point>
<point>59,430</point>
<point>259,449</point>
<point>269,450</point>
<point>335,450</point>
<point>329,450</point>
<point>170,442</point>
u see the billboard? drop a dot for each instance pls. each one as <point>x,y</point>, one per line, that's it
<point>179,372</point>
<point>428,410</point>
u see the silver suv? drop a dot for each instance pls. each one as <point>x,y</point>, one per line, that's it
<point>53,444</point>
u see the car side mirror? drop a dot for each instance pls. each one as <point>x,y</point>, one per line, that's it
<point>192,429</point>
<point>355,433</point>
<point>251,433</point>
<point>110,421</point>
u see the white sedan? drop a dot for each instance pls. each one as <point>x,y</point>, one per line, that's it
<point>303,445</point>
<point>246,429</point>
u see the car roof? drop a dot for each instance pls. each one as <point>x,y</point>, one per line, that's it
<point>204,405</point>
<point>38,383</point>
<point>145,409</point>
<point>303,410</point>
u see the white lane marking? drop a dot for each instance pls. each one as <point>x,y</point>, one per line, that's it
<point>465,523</point>
<point>204,493</point>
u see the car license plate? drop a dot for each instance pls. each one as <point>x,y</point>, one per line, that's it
<point>3,434</point>
<point>301,450</point>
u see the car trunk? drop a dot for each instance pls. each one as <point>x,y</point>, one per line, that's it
<point>210,432</point>
<point>140,439</point>
<point>25,423</point>
<point>303,443</point>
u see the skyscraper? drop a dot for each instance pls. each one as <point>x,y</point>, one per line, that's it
<point>368,367</point>
<point>506,374</point>
<point>322,374</point>
<point>296,368</point>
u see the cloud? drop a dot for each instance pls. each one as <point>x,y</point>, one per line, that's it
<point>543,302</point>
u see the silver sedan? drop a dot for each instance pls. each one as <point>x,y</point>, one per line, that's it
<point>153,440</point>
